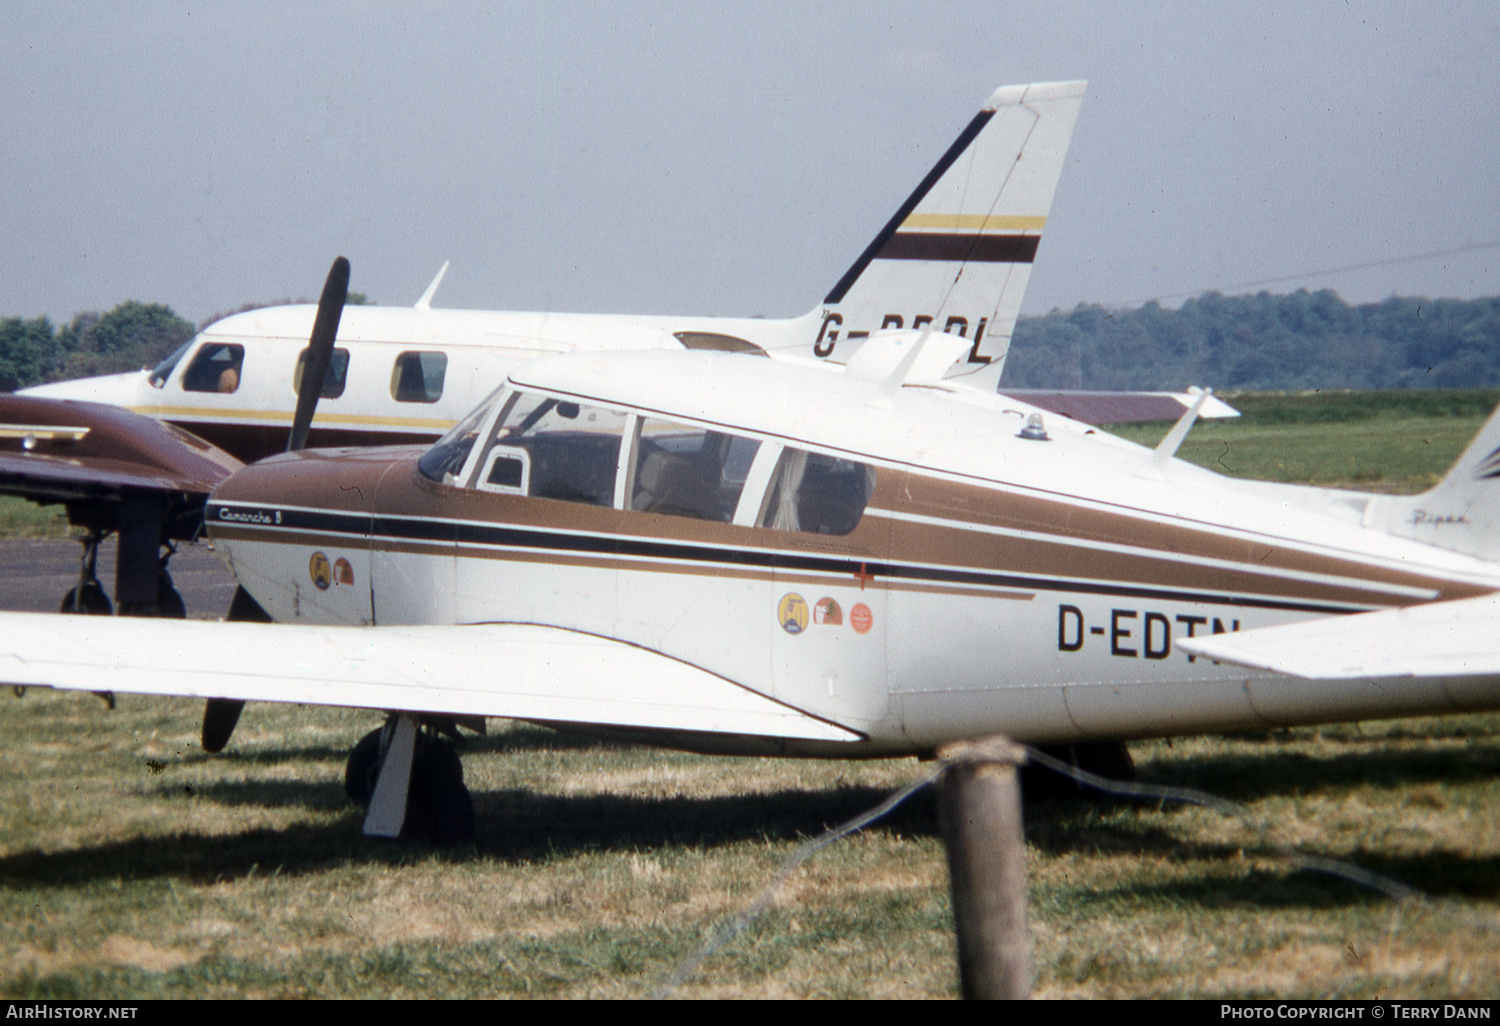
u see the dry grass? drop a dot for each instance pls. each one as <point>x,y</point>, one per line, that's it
<point>133,865</point>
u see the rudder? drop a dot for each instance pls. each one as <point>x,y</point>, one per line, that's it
<point>960,248</point>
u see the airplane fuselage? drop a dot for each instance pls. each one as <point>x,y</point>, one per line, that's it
<point>952,579</point>
<point>399,374</point>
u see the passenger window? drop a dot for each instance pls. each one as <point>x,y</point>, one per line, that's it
<point>216,368</point>
<point>689,472</point>
<point>418,377</point>
<point>554,449</point>
<point>813,492</point>
<point>333,378</point>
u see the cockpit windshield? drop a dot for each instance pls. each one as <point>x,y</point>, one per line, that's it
<point>446,458</point>
<point>162,371</point>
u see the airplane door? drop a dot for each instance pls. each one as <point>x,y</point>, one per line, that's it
<point>828,609</point>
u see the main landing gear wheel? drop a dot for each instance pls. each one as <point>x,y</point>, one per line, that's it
<point>1108,759</point>
<point>87,598</point>
<point>168,604</point>
<point>439,809</point>
<point>363,768</point>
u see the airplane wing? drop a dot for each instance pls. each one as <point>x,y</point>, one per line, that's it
<point>517,671</point>
<point>1460,638</point>
<point>54,450</point>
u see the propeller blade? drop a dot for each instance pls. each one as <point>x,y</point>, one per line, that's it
<point>319,350</point>
<point>219,718</point>
<point>221,715</point>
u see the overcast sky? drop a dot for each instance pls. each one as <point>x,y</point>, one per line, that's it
<point>726,159</point>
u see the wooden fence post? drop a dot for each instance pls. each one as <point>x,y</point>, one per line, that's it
<point>981,814</point>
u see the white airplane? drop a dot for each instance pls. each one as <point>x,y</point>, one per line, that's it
<point>407,374</point>
<point>728,554</point>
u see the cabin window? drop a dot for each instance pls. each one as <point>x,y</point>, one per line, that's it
<point>821,494</point>
<point>333,378</point>
<point>216,368</point>
<point>555,449</point>
<point>689,471</point>
<point>418,377</point>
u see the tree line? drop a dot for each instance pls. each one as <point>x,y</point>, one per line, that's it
<point>1262,342</point>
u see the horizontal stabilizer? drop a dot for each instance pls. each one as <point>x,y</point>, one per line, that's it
<point>516,671</point>
<point>1441,639</point>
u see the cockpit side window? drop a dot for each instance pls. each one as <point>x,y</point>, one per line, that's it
<point>555,449</point>
<point>215,368</point>
<point>689,471</point>
<point>818,493</point>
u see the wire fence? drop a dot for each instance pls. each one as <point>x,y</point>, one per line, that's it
<point>1278,848</point>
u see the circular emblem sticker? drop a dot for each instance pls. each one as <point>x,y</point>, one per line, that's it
<point>343,573</point>
<point>860,618</point>
<point>791,613</point>
<point>827,611</point>
<point>319,570</point>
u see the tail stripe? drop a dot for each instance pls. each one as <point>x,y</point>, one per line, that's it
<point>874,248</point>
<point>1002,249</point>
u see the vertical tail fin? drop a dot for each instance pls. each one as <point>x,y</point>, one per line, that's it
<point>1462,512</point>
<point>960,248</point>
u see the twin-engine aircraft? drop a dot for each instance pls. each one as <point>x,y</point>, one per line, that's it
<point>722,553</point>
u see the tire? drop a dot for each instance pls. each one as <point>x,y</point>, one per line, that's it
<point>439,809</point>
<point>1108,759</point>
<point>363,768</point>
<point>92,602</point>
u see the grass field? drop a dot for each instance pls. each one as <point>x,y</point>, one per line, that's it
<point>133,865</point>
<point>22,519</point>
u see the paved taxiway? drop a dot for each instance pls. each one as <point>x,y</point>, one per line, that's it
<point>36,573</point>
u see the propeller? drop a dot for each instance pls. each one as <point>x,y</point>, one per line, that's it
<point>319,351</point>
<point>221,715</point>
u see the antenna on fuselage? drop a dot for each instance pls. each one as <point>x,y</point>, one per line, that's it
<point>425,303</point>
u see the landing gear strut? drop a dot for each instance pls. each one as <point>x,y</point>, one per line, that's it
<point>87,596</point>
<point>430,804</point>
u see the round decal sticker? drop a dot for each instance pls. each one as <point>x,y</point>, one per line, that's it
<point>827,611</point>
<point>343,573</point>
<point>860,618</point>
<point>791,613</point>
<point>319,570</point>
